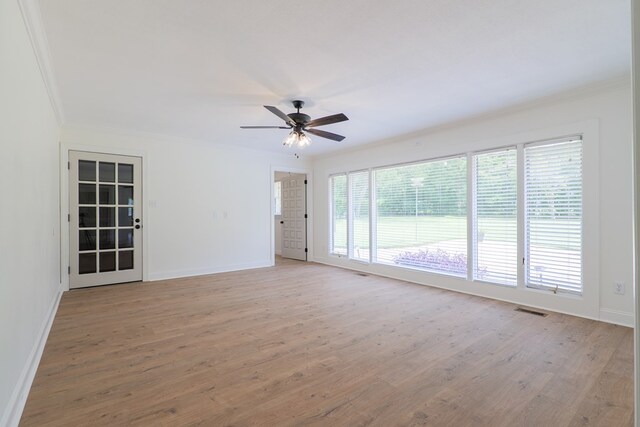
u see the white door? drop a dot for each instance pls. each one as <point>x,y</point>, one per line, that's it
<point>105,219</point>
<point>294,217</point>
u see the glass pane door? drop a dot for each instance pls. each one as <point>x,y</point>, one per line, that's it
<point>105,219</point>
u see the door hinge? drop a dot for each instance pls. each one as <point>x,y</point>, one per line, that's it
<point>69,270</point>
<point>305,216</point>
<point>306,250</point>
<point>68,217</point>
<point>69,165</point>
<point>305,182</point>
<point>522,260</point>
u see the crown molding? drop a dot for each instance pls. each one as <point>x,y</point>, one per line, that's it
<point>30,10</point>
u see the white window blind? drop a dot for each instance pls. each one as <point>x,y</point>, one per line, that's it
<point>359,207</point>
<point>495,225</point>
<point>338,189</point>
<point>421,216</point>
<point>553,215</point>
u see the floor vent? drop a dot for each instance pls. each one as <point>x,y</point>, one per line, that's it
<point>362,274</point>
<point>531,311</point>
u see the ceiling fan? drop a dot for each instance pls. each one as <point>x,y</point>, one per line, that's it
<point>299,123</point>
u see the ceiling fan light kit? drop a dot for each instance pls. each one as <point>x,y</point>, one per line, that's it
<point>301,123</point>
<point>298,139</point>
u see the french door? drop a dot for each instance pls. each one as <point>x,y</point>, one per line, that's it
<point>105,219</point>
<point>294,217</point>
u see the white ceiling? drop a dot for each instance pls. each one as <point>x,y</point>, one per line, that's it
<point>200,69</point>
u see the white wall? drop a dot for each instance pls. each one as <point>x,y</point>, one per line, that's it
<point>604,114</point>
<point>29,213</point>
<point>207,206</point>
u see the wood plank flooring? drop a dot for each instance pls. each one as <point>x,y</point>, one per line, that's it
<point>306,344</point>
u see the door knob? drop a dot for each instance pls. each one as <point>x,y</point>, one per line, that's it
<point>281,222</point>
<point>137,226</point>
<point>137,219</point>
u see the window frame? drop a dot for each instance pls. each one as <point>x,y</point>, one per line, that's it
<point>524,244</point>
<point>471,224</point>
<point>331,204</point>
<point>470,209</point>
<point>350,226</point>
<point>374,220</point>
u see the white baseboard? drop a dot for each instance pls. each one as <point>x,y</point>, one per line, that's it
<point>18,399</point>
<point>165,275</point>
<point>617,317</point>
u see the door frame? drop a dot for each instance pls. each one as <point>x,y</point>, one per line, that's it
<point>65,147</point>
<point>309,209</point>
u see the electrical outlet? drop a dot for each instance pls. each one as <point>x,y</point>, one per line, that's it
<point>618,288</point>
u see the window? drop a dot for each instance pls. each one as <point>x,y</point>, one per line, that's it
<point>338,238</point>
<point>553,215</point>
<point>525,227</point>
<point>421,216</point>
<point>359,208</point>
<point>277,196</point>
<point>495,228</point>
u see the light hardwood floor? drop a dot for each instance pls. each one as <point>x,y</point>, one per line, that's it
<point>306,344</point>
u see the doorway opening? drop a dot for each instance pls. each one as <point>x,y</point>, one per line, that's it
<point>290,215</point>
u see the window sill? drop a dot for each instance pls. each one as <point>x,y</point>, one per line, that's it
<point>550,292</point>
<point>484,282</point>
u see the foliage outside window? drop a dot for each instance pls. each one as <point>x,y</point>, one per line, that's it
<point>422,215</point>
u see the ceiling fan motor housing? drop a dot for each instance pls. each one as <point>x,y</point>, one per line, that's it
<point>300,118</point>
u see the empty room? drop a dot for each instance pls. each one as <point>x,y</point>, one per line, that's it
<point>338,213</point>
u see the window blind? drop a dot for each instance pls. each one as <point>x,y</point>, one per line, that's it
<point>359,207</point>
<point>338,238</point>
<point>553,215</point>
<point>421,216</point>
<point>495,225</point>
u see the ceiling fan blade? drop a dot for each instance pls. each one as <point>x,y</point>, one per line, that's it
<point>280,114</point>
<point>328,135</point>
<point>265,127</point>
<point>327,120</point>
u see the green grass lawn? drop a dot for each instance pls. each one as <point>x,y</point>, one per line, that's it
<point>407,231</point>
